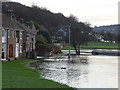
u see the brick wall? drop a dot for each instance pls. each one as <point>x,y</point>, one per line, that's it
<point>11,41</point>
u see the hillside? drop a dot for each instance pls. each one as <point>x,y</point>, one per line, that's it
<point>108,28</point>
<point>42,16</point>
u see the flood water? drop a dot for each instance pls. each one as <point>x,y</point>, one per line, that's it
<point>82,71</point>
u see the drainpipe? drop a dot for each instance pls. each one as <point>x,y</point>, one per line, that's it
<point>29,45</point>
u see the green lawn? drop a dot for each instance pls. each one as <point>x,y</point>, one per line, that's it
<point>17,75</point>
<point>96,45</point>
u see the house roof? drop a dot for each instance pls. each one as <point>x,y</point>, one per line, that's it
<point>10,24</point>
<point>27,29</point>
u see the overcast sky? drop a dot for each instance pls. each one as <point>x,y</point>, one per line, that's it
<point>97,12</point>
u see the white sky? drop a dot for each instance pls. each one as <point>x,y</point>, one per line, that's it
<point>97,12</point>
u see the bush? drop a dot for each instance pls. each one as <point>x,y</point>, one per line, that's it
<point>40,39</point>
<point>27,54</point>
<point>32,55</point>
<point>55,49</point>
<point>42,48</point>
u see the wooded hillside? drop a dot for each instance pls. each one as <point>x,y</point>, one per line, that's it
<point>42,16</point>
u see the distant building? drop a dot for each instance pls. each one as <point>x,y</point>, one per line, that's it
<point>99,37</point>
<point>106,29</point>
<point>60,35</point>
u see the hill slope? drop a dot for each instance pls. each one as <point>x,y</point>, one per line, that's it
<point>42,16</point>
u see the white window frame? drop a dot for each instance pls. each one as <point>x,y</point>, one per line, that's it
<point>3,33</point>
<point>20,35</point>
<point>8,33</point>
<point>20,48</point>
<point>13,34</point>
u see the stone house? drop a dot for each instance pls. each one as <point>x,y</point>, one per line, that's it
<point>12,39</point>
<point>29,37</point>
<point>15,39</point>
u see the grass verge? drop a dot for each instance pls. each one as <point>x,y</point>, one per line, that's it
<point>96,45</point>
<point>17,75</point>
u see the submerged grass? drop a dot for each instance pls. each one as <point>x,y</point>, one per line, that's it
<point>59,54</point>
<point>17,75</point>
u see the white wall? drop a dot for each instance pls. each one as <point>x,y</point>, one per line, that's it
<point>17,50</point>
<point>4,34</point>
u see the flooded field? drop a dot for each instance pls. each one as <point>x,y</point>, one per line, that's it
<point>82,71</point>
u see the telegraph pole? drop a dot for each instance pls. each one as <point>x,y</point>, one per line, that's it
<point>69,42</point>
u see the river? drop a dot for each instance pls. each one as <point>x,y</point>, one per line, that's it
<point>82,71</point>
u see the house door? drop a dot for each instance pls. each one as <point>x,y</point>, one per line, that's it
<point>10,51</point>
<point>3,55</point>
<point>3,51</point>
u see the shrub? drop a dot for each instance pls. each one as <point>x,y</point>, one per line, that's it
<point>43,48</point>
<point>32,55</point>
<point>27,54</point>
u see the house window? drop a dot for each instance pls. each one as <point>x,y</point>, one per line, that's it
<point>20,35</point>
<point>2,33</point>
<point>17,36</point>
<point>27,39</point>
<point>32,39</point>
<point>8,33</point>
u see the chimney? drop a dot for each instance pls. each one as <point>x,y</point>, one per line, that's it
<point>22,21</point>
<point>14,18</point>
<point>10,13</point>
<point>28,25</point>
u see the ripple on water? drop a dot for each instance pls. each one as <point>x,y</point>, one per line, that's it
<point>99,72</point>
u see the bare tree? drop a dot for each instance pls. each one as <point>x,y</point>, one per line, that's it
<point>78,37</point>
<point>80,33</point>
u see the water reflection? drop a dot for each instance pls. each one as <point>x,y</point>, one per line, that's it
<point>82,71</point>
<point>67,72</point>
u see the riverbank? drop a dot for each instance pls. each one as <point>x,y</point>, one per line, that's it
<point>96,45</point>
<point>16,74</point>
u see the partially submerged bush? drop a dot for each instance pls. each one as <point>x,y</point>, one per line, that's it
<point>42,49</point>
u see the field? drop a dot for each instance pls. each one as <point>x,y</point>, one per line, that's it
<point>17,75</point>
<point>96,45</point>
